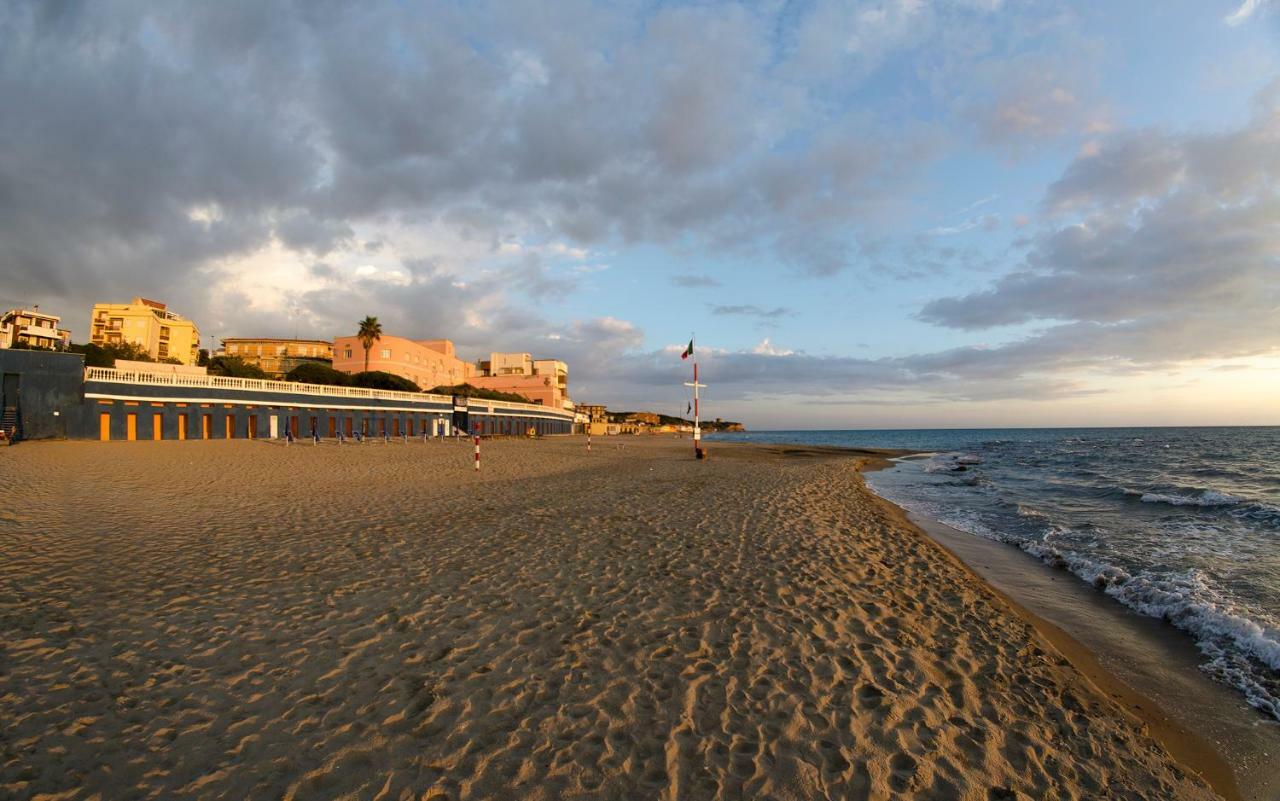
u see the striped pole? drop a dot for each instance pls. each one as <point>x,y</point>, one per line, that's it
<point>477,453</point>
<point>588,442</point>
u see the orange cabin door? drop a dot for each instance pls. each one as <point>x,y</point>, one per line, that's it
<point>157,425</point>
<point>333,426</point>
<point>293,426</point>
<point>104,426</point>
<point>182,426</point>
<point>206,426</point>
<point>131,426</point>
<point>253,426</point>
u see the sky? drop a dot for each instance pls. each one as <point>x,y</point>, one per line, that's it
<point>972,213</point>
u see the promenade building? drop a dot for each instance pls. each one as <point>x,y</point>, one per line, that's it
<point>543,381</point>
<point>148,324</point>
<point>276,357</point>
<point>426,362</point>
<point>32,328</point>
<point>53,395</point>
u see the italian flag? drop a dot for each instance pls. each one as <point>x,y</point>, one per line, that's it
<point>687,351</point>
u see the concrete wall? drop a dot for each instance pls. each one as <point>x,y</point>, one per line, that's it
<point>50,391</point>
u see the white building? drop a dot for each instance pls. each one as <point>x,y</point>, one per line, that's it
<point>32,328</point>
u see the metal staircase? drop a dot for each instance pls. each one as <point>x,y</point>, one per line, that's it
<point>11,421</point>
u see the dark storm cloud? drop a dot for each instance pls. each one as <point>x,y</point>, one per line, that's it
<point>142,143</point>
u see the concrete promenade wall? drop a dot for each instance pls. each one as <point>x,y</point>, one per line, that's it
<point>129,406</point>
<point>50,391</point>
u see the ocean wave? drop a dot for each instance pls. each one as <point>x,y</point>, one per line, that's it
<point>1187,602</point>
<point>1205,498</point>
<point>1211,500</point>
<point>1230,639</point>
<point>1178,541</point>
<point>951,462</point>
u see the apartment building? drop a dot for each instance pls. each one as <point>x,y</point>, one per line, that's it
<point>426,362</point>
<point>149,324</point>
<point>276,357</point>
<point>32,328</point>
<point>542,381</point>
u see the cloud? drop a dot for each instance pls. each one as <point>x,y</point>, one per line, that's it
<point>751,310</point>
<point>692,281</point>
<point>1174,256</point>
<point>767,348</point>
<point>1025,97</point>
<point>144,144</point>
<point>1244,12</point>
<point>987,222</point>
<point>245,160</point>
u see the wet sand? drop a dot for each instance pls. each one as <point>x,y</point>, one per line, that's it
<point>245,620</point>
<point>1157,665</point>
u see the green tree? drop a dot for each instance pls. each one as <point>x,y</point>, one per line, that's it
<point>369,333</point>
<point>469,391</point>
<point>234,367</point>
<point>377,379</point>
<point>318,373</point>
<point>106,355</point>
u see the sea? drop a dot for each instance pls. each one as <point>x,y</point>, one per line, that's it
<point>1179,524</point>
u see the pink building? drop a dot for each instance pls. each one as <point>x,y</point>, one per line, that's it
<point>426,362</point>
<point>542,381</point>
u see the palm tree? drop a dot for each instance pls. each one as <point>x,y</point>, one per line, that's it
<point>370,332</point>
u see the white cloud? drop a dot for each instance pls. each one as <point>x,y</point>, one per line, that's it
<point>1244,12</point>
<point>766,348</point>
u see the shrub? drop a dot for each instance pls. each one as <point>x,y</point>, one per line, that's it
<point>377,379</point>
<point>318,373</point>
<point>477,392</point>
<point>234,367</point>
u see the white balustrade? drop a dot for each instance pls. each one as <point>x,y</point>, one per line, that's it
<point>259,385</point>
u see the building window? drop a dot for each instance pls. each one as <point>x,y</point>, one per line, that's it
<point>386,353</point>
<point>348,353</point>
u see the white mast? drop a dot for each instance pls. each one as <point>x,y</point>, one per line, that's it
<point>697,430</point>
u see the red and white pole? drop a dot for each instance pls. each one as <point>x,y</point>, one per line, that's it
<point>477,453</point>
<point>697,427</point>
<point>588,439</point>
<point>697,431</point>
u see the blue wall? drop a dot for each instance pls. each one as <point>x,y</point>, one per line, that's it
<point>50,398</point>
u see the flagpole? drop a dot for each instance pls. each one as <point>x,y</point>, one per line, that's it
<point>697,428</point>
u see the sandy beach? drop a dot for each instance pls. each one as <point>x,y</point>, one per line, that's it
<point>237,619</point>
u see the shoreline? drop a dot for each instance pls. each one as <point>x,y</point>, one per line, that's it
<point>1232,745</point>
<point>1188,748</point>
<point>236,619</point>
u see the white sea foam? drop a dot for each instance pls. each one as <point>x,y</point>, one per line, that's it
<point>1205,498</point>
<point>1240,641</point>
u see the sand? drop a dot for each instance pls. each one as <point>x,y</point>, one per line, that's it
<point>245,620</point>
